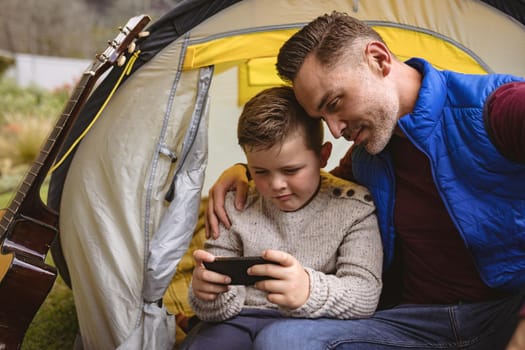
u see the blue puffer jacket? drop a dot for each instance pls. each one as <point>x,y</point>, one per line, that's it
<point>483,191</point>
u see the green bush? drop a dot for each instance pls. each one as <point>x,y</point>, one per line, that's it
<point>31,101</point>
<point>27,116</point>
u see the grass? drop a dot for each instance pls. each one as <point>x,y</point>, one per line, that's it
<point>55,324</point>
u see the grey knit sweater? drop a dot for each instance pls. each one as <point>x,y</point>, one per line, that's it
<point>335,237</point>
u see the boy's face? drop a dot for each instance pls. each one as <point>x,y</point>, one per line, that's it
<point>288,175</point>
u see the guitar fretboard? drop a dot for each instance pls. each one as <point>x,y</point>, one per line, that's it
<point>40,167</point>
<point>30,186</point>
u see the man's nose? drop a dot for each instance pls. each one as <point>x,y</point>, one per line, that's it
<point>334,126</point>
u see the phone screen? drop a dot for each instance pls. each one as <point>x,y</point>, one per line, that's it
<point>236,267</point>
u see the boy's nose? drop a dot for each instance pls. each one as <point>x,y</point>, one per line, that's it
<point>278,183</point>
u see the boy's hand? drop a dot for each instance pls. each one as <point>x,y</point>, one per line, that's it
<point>290,283</point>
<point>207,285</point>
<point>233,178</point>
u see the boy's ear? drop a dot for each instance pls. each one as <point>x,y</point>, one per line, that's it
<point>326,150</point>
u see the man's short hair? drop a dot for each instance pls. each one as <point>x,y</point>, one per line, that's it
<point>329,37</point>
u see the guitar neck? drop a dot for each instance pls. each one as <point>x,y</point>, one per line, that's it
<point>29,189</point>
<point>30,186</point>
<point>56,139</point>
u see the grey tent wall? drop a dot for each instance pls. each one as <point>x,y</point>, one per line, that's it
<point>513,8</point>
<point>181,19</point>
<point>173,236</point>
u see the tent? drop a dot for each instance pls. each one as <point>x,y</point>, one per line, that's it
<point>129,191</point>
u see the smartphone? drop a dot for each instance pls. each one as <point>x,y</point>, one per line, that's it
<point>236,267</point>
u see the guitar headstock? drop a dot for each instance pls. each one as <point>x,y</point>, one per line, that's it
<point>124,41</point>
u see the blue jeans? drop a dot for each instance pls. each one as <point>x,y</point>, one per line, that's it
<point>237,333</point>
<point>480,326</point>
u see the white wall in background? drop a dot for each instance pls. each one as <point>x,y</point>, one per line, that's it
<point>47,72</point>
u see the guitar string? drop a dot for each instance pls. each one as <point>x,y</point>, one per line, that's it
<point>126,71</point>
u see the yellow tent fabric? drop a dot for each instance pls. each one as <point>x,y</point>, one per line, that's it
<point>256,54</point>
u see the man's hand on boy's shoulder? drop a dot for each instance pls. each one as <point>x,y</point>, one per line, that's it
<point>233,178</point>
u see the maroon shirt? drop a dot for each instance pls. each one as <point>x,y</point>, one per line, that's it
<point>505,119</point>
<point>431,263</point>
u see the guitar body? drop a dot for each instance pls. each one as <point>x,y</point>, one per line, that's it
<point>19,309</point>
<point>28,227</point>
<point>25,278</point>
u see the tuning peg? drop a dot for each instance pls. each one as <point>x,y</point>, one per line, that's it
<point>131,47</point>
<point>102,57</point>
<point>124,30</point>
<point>121,60</point>
<point>143,34</point>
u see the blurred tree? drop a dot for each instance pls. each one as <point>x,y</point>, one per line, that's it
<point>77,29</point>
<point>6,59</point>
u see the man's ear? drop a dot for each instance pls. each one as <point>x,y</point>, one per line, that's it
<point>326,150</point>
<point>379,57</point>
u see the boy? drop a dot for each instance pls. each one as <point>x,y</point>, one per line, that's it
<point>320,231</point>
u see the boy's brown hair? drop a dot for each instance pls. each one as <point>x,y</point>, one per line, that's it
<point>271,116</point>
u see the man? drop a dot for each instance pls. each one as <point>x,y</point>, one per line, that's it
<point>443,154</point>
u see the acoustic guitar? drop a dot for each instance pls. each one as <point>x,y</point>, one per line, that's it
<point>28,227</point>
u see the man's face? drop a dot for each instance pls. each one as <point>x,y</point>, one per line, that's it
<point>356,103</point>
